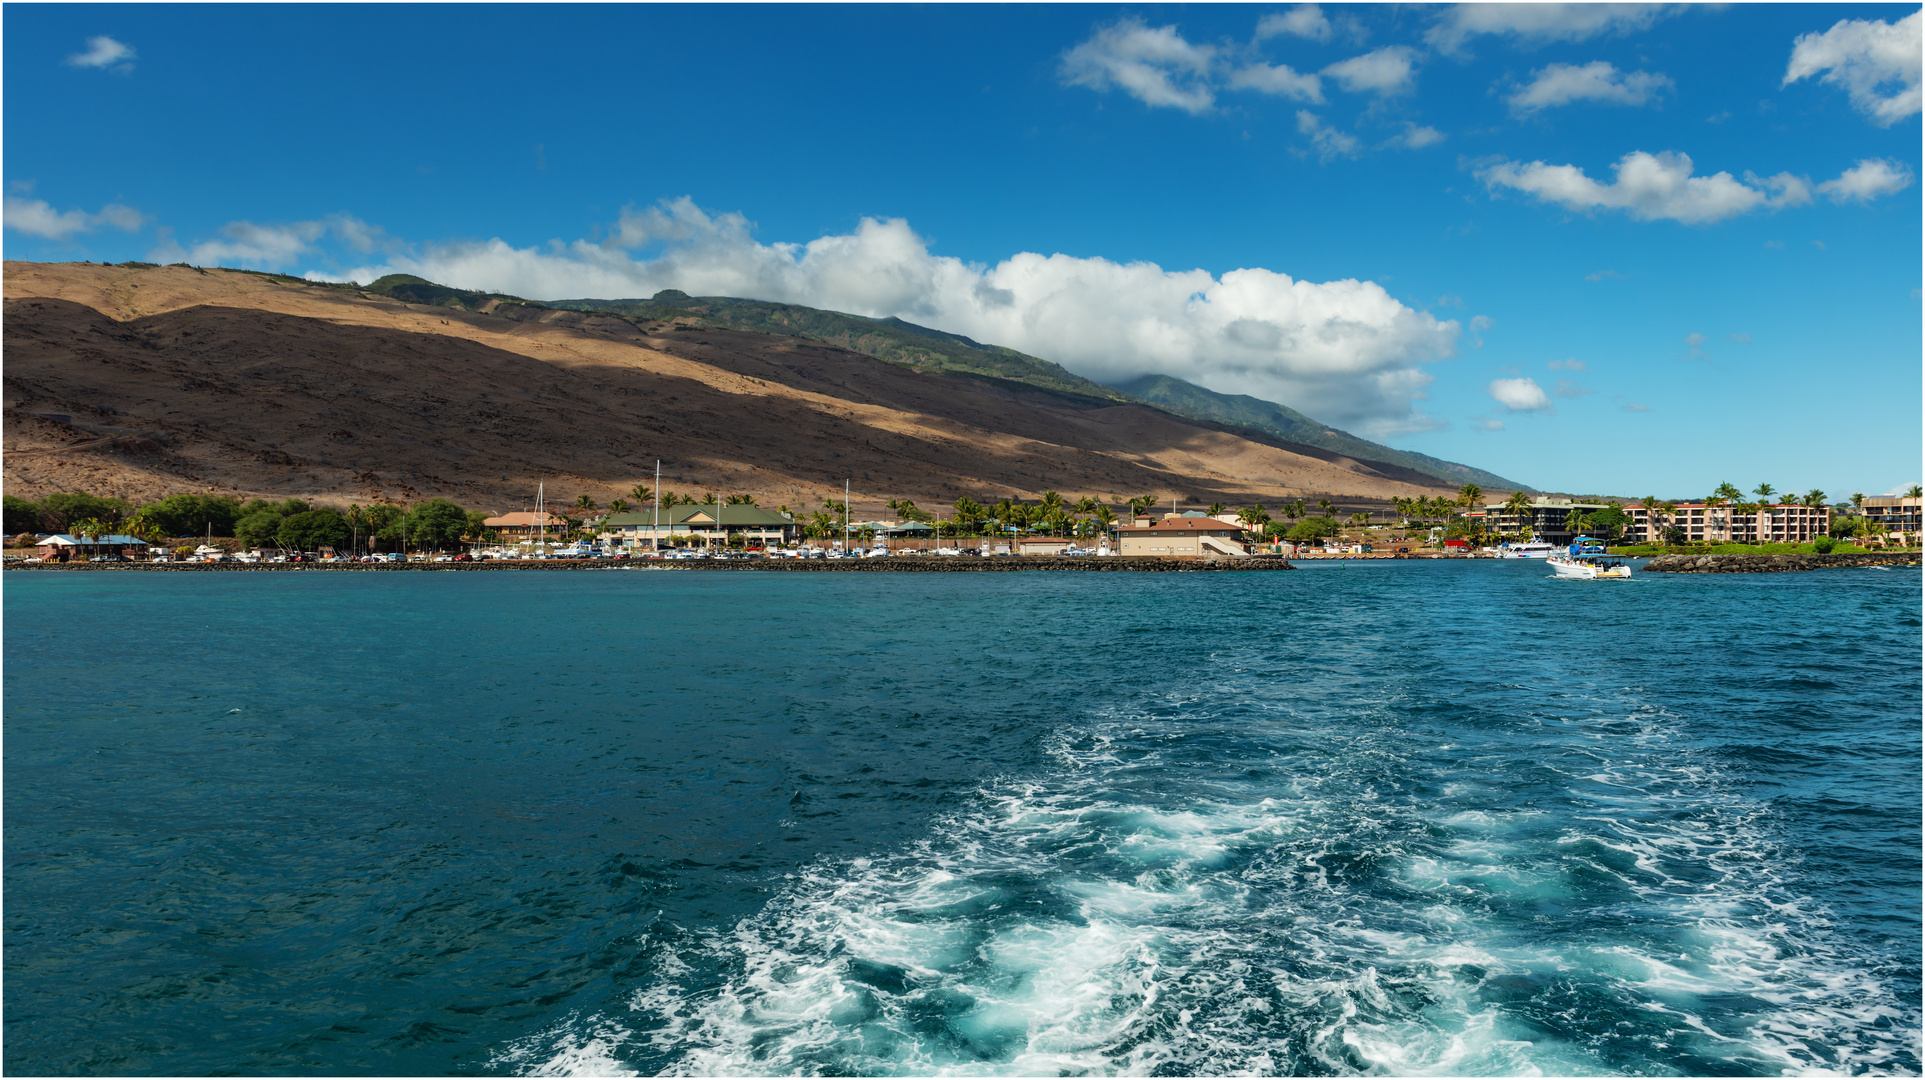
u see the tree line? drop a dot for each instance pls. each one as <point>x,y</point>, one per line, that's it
<point>292,524</point>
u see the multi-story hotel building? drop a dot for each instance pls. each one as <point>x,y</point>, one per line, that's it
<point>1778,523</point>
<point>1893,515</point>
<point>1546,517</point>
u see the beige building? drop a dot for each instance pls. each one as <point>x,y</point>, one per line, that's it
<point>1781,523</point>
<point>523,524</point>
<point>1182,538</point>
<point>1893,515</point>
<point>1043,545</point>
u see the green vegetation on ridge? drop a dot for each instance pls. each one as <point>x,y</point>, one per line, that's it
<point>890,340</point>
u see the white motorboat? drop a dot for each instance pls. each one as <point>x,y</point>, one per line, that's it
<point>1587,558</point>
<point>1525,549</point>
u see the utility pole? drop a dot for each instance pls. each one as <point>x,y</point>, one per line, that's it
<point>845,519</point>
<point>655,528</point>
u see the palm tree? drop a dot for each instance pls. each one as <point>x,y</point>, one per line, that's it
<point>1814,499</point>
<point>641,493</point>
<point>1519,506</point>
<point>618,506</point>
<point>1650,504</point>
<point>1255,517</point>
<point>1915,491</point>
<point>87,530</point>
<point>1216,509</point>
<point>1468,495</point>
<point>585,502</point>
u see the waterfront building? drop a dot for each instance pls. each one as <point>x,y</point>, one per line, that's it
<point>61,547</point>
<point>523,525</point>
<point>698,525</point>
<point>1777,523</point>
<point>1547,518</point>
<point>1182,538</point>
<point>1894,516</point>
<point>1043,545</point>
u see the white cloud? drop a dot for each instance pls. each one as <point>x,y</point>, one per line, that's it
<point>1632,406</point>
<point>36,217</point>
<point>1478,325</point>
<point>1155,66</point>
<point>1567,388</point>
<point>1520,395</point>
<point>1867,180</point>
<point>104,52</point>
<point>1279,79</point>
<point>1304,21</point>
<point>1650,187</point>
<point>1561,84</point>
<point>1330,142</point>
<point>1876,62</point>
<point>1568,364</point>
<point>1487,423</point>
<point>1344,351</point>
<point>1414,137</point>
<point>245,243</point>
<point>1695,343</point>
<point>1535,24</point>
<point>1385,71</point>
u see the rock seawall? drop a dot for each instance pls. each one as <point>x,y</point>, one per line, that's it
<point>913,564</point>
<point>1771,564</point>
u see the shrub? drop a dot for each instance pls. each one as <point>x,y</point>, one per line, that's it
<point>1822,545</point>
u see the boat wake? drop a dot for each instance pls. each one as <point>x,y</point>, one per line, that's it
<point>1204,893</point>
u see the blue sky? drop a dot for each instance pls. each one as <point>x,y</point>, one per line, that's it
<point>1624,249</point>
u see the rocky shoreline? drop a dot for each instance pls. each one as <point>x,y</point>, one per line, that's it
<point>910,564</point>
<point>1772,564</point>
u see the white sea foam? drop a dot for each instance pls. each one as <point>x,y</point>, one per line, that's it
<point>1321,920</point>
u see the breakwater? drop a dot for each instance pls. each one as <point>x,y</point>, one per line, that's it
<point>1772,564</point>
<point>909,564</point>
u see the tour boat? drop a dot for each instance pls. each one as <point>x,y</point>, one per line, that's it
<point>1526,549</point>
<point>1587,558</point>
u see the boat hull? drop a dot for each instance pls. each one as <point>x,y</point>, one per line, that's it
<point>1573,568</point>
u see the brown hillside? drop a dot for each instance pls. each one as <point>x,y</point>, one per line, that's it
<point>175,379</point>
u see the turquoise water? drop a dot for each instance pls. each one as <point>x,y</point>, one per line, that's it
<point>1397,817</point>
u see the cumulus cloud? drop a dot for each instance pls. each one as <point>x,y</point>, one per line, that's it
<point>1520,395</point>
<point>1566,388</point>
<point>1304,21</point>
<point>246,244</point>
<point>36,217</point>
<point>1568,364</point>
<point>1561,84</point>
<point>1385,71</point>
<point>1414,137</point>
<point>1868,180</point>
<point>1330,143</point>
<point>104,52</point>
<point>1876,62</point>
<point>1344,351</point>
<point>1154,65</point>
<point>1279,79</point>
<point>1650,187</point>
<point>1536,24</point>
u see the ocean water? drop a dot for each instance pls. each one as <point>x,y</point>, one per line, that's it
<point>1407,818</point>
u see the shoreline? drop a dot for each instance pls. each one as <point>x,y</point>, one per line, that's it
<point>892,564</point>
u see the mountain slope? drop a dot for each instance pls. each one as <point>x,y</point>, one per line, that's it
<point>924,349</point>
<point>1197,403</point>
<point>142,382</point>
<point>890,339</point>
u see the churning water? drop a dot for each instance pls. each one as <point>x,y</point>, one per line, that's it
<point>1393,818</point>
